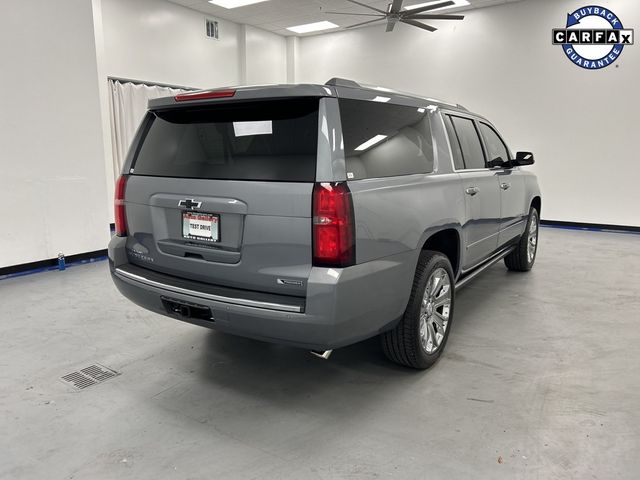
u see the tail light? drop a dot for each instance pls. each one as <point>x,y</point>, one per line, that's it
<point>119,213</point>
<point>204,95</point>
<point>333,226</point>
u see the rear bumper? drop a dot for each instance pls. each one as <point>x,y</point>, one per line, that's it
<point>343,306</point>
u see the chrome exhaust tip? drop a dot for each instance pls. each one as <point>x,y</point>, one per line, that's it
<point>324,354</point>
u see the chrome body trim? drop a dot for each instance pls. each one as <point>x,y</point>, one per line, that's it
<point>482,240</point>
<point>208,296</point>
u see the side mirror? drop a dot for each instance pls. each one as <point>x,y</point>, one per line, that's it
<point>498,162</point>
<point>522,159</point>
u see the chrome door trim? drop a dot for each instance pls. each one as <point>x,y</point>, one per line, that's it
<point>482,239</point>
<point>511,225</point>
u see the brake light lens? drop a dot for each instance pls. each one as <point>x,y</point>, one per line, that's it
<point>119,213</point>
<point>333,226</point>
<point>186,97</point>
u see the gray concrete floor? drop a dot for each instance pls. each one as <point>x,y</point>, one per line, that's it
<point>540,379</point>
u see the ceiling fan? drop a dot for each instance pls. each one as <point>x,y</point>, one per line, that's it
<point>395,14</point>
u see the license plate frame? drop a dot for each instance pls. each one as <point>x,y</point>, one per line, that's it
<point>196,222</point>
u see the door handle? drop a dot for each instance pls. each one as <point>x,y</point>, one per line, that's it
<point>505,186</point>
<point>472,191</point>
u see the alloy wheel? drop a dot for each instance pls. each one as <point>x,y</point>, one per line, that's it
<point>435,310</point>
<point>532,242</point>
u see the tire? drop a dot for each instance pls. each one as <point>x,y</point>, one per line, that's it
<point>428,315</point>
<point>522,258</point>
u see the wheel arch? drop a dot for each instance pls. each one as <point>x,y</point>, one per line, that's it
<point>536,202</point>
<point>446,240</point>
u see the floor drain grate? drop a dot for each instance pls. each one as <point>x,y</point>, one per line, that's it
<point>88,376</point>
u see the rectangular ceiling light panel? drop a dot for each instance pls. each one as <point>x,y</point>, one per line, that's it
<point>458,3</point>
<point>234,3</point>
<point>312,27</point>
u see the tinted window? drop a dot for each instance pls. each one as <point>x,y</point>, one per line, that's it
<point>495,147</point>
<point>274,141</point>
<point>383,140</point>
<point>469,142</point>
<point>455,144</point>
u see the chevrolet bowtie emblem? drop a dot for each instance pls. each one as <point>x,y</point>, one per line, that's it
<point>189,203</point>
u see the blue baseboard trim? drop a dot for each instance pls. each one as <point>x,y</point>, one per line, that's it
<point>51,264</point>
<point>593,227</point>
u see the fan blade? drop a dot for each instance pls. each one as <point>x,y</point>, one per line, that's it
<point>396,6</point>
<point>369,7</point>
<point>429,7</point>
<point>364,23</point>
<point>431,16</point>
<point>418,24</point>
<point>356,14</point>
<point>391,24</point>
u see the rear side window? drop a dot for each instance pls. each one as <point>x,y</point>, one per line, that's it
<point>495,146</point>
<point>469,142</point>
<point>455,144</point>
<point>383,140</point>
<point>269,140</point>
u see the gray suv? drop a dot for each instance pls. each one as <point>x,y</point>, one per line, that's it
<point>318,215</point>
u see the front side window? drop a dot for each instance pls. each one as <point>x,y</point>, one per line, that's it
<point>495,146</point>
<point>469,142</point>
<point>385,140</point>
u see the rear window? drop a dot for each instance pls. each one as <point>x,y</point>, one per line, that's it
<point>385,140</point>
<point>267,140</point>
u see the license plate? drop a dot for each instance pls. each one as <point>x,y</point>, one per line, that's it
<point>201,226</point>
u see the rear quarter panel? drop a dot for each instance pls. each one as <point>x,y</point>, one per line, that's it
<point>394,217</point>
<point>397,214</point>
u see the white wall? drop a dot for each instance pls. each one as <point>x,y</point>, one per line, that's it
<point>52,158</point>
<point>158,41</point>
<point>266,56</point>
<point>581,125</point>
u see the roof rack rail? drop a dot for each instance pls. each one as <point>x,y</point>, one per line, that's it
<point>456,105</point>
<point>342,82</point>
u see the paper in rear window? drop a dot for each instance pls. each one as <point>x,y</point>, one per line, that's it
<point>261,140</point>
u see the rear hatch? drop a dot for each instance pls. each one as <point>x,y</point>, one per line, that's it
<point>221,193</point>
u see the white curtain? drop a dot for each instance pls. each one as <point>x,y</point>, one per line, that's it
<point>128,105</point>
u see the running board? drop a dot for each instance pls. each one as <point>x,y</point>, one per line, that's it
<point>491,261</point>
